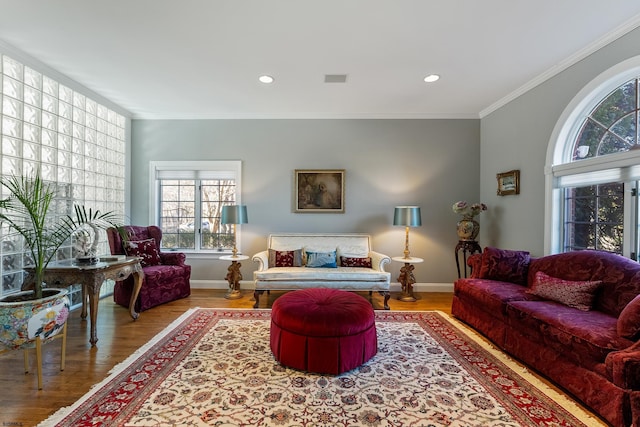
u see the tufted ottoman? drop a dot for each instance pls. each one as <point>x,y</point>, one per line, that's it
<point>327,331</point>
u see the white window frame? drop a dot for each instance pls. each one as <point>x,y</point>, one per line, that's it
<point>229,166</point>
<point>560,171</point>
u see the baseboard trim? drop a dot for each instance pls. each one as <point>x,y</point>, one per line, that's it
<point>395,286</point>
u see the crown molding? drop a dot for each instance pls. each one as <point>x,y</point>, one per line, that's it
<point>610,37</point>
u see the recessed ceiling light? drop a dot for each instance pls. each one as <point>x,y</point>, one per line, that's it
<point>266,79</point>
<point>432,78</point>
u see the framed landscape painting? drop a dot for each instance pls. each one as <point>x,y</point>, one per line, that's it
<point>319,190</point>
<point>508,183</point>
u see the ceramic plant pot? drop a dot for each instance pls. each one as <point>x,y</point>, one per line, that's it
<point>22,321</point>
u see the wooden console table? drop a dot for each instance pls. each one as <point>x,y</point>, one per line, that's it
<point>63,274</point>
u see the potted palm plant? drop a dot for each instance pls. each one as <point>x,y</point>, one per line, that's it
<point>27,212</point>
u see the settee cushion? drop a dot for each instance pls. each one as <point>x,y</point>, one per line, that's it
<point>347,274</point>
<point>355,261</point>
<point>491,295</point>
<point>146,249</point>
<point>504,265</point>
<point>576,294</point>
<point>285,258</point>
<point>585,337</point>
<point>629,321</point>
<point>321,259</point>
<point>620,276</point>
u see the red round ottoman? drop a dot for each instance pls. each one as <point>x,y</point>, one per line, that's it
<point>327,331</point>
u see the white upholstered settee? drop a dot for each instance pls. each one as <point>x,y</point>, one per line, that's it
<point>298,261</point>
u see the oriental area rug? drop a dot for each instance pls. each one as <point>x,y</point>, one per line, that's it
<point>214,367</point>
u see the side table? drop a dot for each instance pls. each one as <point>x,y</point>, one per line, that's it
<point>62,274</point>
<point>406,277</point>
<point>234,275</point>
<point>468,247</point>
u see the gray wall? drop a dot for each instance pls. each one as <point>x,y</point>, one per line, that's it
<point>516,136</point>
<point>429,163</point>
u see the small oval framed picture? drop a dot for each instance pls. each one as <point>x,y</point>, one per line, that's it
<point>508,183</point>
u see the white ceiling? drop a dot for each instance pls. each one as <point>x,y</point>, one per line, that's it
<point>201,58</point>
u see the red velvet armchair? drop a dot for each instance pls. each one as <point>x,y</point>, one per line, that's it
<point>166,276</point>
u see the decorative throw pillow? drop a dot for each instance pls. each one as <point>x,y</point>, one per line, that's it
<point>355,262</point>
<point>505,265</point>
<point>578,295</point>
<point>321,259</point>
<point>285,258</point>
<point>629,320</point>
<point>145,249</point>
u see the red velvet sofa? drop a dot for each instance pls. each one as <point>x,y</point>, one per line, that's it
<point>527,307</point>
<point>166,276</point>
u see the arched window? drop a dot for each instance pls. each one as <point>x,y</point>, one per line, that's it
<point>593,167</point>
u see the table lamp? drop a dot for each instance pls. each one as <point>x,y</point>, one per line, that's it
<point>408,216</point>
<point>234,214</point>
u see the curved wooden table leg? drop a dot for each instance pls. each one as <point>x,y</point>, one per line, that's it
<point>94,296</point>
<point>93,292</point>
<point>138,278</point>
<point>83,313</point>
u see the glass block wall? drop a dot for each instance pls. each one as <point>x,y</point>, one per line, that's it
<point>76,143</point>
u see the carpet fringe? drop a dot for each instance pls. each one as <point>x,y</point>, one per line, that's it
<point>61,413</point>
<point>569,404</point>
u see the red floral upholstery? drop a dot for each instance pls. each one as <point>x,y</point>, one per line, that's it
<point>629,321</point>
<point>166,276</point>
<point>504,265</point>
<point>323,330</point>
<point>144,249</point>
<point>285,258</point>
<point>595,355</point>
<point>355,262</point>
<point>576,294</point>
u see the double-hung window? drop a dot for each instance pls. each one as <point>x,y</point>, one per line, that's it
<point>188,200</point>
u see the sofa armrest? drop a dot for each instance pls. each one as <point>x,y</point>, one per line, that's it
<point>623,366</point>
<point>474,261</point>
<point>262,258</point>
<point>172,258</point>
<point>378,260</point>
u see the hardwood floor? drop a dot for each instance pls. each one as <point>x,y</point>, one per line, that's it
<point>24,405</point>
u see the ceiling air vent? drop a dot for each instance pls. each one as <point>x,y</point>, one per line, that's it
<point>335,78</point>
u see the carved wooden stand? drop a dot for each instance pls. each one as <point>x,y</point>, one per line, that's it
<point>468,247</point>
<point>406,277</point>
<point>234,275</point>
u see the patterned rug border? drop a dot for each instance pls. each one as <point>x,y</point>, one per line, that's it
<point>579,412</point>
<point>575,408</point>
<point>60,414</point>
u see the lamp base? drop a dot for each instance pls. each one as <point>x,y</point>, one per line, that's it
<point>233,294</point>
<point>407,279</point>
<point>407,298</point>
<point>233,277</point>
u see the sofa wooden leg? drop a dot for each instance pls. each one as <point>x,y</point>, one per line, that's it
<point>256,296</point>
<point>387,295</point>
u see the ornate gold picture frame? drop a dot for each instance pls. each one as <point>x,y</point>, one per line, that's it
<point>508,183</point>
<point>319,191</point>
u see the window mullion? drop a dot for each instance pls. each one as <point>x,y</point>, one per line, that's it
<point>197,225</point>
<point>630,224</point>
